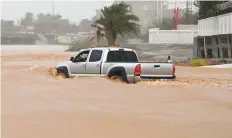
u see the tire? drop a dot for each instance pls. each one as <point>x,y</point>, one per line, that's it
<point>117,78</point>
<point>61,73</point>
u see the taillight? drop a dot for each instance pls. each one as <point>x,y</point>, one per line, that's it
<point>137,70</point>
<point>173,69</point>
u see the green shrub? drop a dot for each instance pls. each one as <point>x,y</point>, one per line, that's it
<point>198,62</point>
<point>117,45</point>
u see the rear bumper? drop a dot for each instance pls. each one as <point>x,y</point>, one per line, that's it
<point>159,77</point>
<point>133,79</point>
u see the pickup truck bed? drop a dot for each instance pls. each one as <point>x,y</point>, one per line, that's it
<point>157,70</point>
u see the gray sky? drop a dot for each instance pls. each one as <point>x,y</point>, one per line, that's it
<point>72,10</point>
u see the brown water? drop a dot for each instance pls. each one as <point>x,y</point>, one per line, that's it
<point>37,104</point>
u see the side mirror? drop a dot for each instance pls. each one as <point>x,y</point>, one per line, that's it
<point>71,59</point>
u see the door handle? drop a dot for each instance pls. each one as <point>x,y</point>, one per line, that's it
<point>156,66</point>
<point>83,65</point>
<point>98,65</point>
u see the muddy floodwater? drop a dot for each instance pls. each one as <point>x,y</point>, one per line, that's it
<point>37,104</point>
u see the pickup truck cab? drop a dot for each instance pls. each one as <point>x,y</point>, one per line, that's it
<point>110,62</point>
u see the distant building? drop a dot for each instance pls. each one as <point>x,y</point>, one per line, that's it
<point>147,11</point>
<point>152,13</point>
<point>215,34</point>
<point>187,27</point>
<point>98,14</point>
<point>13,38</point>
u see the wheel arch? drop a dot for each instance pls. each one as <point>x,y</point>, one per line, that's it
<point>118,71</point>
<point>63,69</point>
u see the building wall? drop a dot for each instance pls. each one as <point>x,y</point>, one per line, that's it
<point>187,27</point>
<point>221,24</point>
<point>217,33</point>
<point>157,36</point>
<point>219,46</point>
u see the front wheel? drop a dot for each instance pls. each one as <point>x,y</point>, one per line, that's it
<point>60,73</point>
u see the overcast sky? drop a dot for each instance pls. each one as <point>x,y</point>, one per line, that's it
<point>72,10</point>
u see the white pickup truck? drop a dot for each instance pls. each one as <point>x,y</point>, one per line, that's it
<point>114,62</point>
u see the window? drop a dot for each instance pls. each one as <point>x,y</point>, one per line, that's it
<point>208,41</point>
<point>95,55</point>
<point>218,51</point>
<point>223,39</point>
<point>121,56</point>
<point>82,57</point>
<point>202,53</point>
<point>201,41</point>
<point>230,40</point>
<point>225,52</point>
<point>209,53</point>
<point>216,40</point>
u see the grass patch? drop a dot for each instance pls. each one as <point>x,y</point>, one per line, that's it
<point>198,62</point>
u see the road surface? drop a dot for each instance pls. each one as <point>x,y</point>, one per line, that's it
<point>35,104</point>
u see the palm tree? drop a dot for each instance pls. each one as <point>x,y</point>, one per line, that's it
<point>99,34</point>
<point>115,20</point>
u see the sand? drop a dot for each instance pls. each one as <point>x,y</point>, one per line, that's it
<point>36,104</point>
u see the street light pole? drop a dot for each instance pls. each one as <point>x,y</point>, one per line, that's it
<point>53,8</point>
<point>161,11</point>
<point>157,13</point>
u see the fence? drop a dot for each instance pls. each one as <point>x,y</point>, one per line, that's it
<point>157,36</point>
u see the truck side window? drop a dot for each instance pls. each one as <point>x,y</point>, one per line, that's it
<point>82,57</point>
<point>121,56</point>
<point>95,56</point>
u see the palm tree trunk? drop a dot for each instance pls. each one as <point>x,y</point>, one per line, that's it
<point>111,41</point>
<point>98,41</point>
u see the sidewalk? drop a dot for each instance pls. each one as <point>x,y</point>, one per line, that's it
<point>219,66</point>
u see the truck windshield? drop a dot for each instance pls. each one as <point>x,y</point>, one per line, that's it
<point>121,56</point>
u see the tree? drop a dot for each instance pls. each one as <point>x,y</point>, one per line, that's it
<point>117,19</point>
<point>191,18</point>
<point>85,25</point>
<point>99,34</point>
<point>27,20</point>
<point>207,8</point>
<point>47,23</point>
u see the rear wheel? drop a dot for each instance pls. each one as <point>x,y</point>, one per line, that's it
<point>117,78</point>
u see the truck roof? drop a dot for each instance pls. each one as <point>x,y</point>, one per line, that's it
<point>108,48</point>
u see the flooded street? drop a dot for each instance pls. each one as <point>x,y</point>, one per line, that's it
<point>35,104</point>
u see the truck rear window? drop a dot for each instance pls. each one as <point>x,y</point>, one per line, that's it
<point>121,56</point>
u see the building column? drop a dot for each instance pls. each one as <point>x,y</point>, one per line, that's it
<point>214,47</point>
<point>220,47</point>
<point>229,47</point>
<point>195,47</point>
<point>199,48</point>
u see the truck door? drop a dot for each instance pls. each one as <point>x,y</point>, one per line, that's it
<point>94,63</point>
<point>79,63</point>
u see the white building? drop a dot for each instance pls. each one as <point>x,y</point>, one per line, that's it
<point>185,37</point>
<point>215,34</point>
